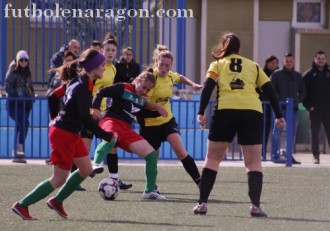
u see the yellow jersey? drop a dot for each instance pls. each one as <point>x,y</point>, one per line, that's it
<point>106,81</point>
<point>237,78</point>
<point>161,94</point>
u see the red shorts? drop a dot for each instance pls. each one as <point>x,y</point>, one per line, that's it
<point>65,147</point>
<point>126,135</point>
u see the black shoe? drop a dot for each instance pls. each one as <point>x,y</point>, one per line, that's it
<point>278,161</point>
<point>79,188</point>
<point>47,161</point>
<point>124,186</point>
<point>294,161</point>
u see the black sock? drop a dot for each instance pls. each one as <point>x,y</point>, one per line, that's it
<point>191,168</point>
<point>206,185</point>
<point>73,168</point>
<point>255,187</point>
<point>112,161</point>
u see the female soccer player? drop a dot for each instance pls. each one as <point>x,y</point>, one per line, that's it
<point>158,129</point>
<point>66,143</point>
<point>128,99</point>
<point>238,112</point>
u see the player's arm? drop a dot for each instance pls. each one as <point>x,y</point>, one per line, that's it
<point>188,82</point>
<point>54,101</point>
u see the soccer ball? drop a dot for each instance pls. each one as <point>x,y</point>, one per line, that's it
<point>108,189</point>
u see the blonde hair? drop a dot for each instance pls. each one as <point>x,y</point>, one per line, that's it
<point>161,51</point>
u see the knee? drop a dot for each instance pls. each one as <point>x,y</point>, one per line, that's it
<point>85,172</point>
<point>57,181</point>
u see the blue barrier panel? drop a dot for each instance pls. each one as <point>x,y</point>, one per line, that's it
<point>185,111</point>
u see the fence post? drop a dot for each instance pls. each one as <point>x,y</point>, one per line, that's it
<point>3,42</point>
<point>289,131</point>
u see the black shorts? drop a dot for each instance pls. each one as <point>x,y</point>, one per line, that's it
<point>155,135</point>
<point>246,124</point>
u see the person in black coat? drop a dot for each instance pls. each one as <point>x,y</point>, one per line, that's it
<point>317,101</point>
<point>127,68</point>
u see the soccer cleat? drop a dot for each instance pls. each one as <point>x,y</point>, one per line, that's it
<point>22,211</point>
<point>97,169</point>
<point>153,196</point>
<point>200,208</point>
<point>316,160</point>
<point>79,188</point>
<point>257,211</point>
<point>58,207</point>
<point>124,186</point>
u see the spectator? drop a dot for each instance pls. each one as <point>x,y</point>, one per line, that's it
<point>56,82</point>
<point>57,59</point>
<point>97,45</point>
<point>127,68</point>
<point>287,83</point>
<point>317,101</point>
<point>271,64</point>
<point>18,84</point>
<point>238,111</point>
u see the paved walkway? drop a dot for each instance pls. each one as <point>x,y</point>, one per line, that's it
<point>305,158</point>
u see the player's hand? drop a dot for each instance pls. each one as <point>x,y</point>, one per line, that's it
<point>162,111</point>
<point>280,123</point>
<point>197,87</point>
<point>96,114</point>
<point>201,119</point>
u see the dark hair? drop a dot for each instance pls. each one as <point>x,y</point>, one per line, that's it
<point>320,52</point>
<point>228,44</point>
<point>68,54</point>
<point>109,39</point>
<point>96,43</point>
<point>288,54</point>
<point>270,59</point>
<point>125,50</point>
<point>20,69</point>
<point>69,71</point>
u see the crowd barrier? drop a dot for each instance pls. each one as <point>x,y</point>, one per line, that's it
<point>185,112</point>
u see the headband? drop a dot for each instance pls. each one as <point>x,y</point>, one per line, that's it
<point>93,63</point>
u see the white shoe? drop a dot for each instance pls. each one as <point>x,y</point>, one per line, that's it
<point>153,196</point>
<point>97,169</point>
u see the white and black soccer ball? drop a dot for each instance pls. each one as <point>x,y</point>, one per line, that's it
<point>108,189</point>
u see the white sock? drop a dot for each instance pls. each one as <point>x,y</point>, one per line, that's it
<point>113,176</point>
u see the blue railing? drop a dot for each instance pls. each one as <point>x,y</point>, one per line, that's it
<point>44,36</point>
<point>185,112</point>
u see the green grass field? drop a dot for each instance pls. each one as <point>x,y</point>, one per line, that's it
<point>294,199</point>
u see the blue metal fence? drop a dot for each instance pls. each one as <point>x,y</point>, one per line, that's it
<point>185,111</point>
<point>43,36</point>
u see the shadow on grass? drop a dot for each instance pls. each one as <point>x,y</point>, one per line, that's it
<point>287,219</point>
<point>125,222</point>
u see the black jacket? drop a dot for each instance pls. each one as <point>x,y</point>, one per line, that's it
<point>289,84</point>
<point>318,88</point>
<point>126,72</point>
